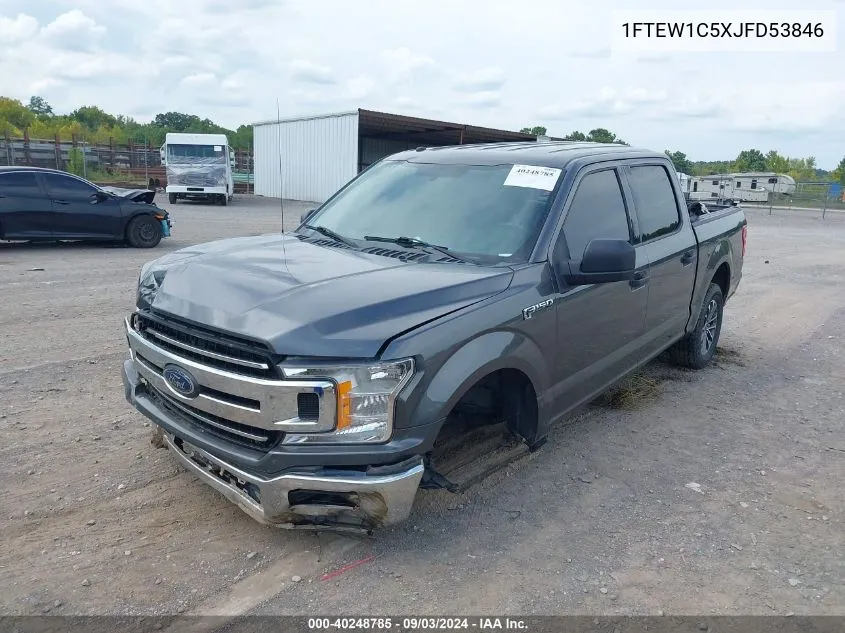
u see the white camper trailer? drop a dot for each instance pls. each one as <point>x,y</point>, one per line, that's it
<point>198,166</point>
<point>746,187</point>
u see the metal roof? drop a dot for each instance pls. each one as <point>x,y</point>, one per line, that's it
<point>549,154</point>
<point>372,123</point>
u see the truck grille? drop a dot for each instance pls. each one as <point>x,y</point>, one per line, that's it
<point>248,436</point>
<point>225,352</point>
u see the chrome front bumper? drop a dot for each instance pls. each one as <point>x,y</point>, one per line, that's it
<point>355,500</point>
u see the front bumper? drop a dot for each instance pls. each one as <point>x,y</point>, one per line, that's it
<point>356,501</point>
<point>313,496</point>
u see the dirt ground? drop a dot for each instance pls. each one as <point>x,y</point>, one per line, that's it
<point>716,492</point>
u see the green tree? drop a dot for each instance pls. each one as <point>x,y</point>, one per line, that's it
<point>839,173</point>
<point>537,130</point>
<point>601,135</point>
<point>15,114</point>
<point>176,121</point>
<point>776,163</point>
<point>575,136</point>
<point>92,117</point>
<point>39,106</point>
<point>750,160</point>
<point>76,162</point>
<point>681,162</point>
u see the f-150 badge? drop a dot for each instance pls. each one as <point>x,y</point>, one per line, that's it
<point>528,312</point>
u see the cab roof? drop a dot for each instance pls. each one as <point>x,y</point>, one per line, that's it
<point>543,154</point>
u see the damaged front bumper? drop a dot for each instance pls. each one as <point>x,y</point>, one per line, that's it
<point>319,497</point>
<point>356,501</point>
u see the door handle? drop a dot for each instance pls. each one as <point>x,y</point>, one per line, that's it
<point>61,201</point>
<point>639,279</point>
<point>686,258</point>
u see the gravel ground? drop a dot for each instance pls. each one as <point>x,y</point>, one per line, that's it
<point>717,492</point>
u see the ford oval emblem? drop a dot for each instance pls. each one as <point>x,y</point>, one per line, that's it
<point>181,381</point>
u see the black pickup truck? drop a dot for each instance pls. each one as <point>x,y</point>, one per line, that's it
<point>307,376</point>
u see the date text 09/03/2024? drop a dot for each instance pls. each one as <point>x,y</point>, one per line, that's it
<point>417,624</point>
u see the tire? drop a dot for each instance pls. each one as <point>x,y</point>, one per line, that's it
<point>172,198</point>
<point>143,232</point>
<point>697,348</point>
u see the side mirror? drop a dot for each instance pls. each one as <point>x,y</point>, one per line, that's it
<point>604,261</point>
<point>304,217</point>
<point>99,196</point>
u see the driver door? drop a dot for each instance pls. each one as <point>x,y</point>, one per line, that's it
<point>77,213</point>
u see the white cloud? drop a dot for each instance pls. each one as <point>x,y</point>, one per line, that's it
<point>73,24</point>
<point>488,79</point>
<point>485,99</point>
<point>199,80</point>
<point>17,29</point>
<point>602,52</point>
<point>608,102</point>
<point>310,72</point>
<point>487,64</point>
<point>402,62</point>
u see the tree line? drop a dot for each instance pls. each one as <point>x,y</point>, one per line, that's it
<point>91,124</point>
<point>801,169</point>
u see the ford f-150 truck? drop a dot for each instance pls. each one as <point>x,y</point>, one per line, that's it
<point>307,375</point>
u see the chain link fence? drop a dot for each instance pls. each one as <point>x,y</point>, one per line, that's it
<point>121,165</point>
<point>825,197</point>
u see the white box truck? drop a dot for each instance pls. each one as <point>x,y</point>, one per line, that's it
<point>198,166</point>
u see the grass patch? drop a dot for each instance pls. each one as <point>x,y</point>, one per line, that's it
<point>633,392</point>
<point>726,356</point>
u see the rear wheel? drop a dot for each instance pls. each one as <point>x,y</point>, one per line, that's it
<point>143,231</point>
<point>172,198</point>
<point>697,348</point>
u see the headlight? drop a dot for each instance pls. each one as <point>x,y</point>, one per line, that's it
<point>365,397</point>
<point>149,282</point>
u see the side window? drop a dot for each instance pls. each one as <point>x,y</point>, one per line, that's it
<point>597,212</point>
<point>67,187</point>
<point>19,184</point>
<point>657,206</point>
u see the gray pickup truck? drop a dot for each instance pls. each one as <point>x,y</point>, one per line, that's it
<point>307,376</point>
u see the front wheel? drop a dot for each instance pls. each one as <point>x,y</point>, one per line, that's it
<point>697,348</point>
<point>172,198</point>
<point>143,232</point>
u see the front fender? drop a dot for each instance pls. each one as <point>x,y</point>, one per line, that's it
<point>473,361</point>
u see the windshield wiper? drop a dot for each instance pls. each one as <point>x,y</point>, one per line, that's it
<point>329,233</point>
<point>412,242</point>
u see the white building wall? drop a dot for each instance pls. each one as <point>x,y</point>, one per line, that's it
<point>318,156</point>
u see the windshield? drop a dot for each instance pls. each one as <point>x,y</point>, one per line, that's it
<point>178,154</point>
<point>469,209</point>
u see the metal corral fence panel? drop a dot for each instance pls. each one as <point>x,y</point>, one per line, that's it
<point>125,164</point>
<point>309,159</point>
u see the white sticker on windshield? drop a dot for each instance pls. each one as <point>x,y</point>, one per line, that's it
<point>218,148</point>
<point>533,177</point>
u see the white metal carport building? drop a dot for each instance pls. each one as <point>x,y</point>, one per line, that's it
<point>310,158</point>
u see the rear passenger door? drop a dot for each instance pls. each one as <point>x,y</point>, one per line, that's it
<point>600,326</point>
<point>667,238</point>
<point>25,210</point>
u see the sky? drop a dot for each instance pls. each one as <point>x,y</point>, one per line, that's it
<point>495,63</point>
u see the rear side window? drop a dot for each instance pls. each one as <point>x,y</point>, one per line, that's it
<point>67,187</point>
<point>22,184</point>
<point>657,207</point>
<point>597,212</point>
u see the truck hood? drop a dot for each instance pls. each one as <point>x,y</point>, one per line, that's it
<point>304,299</point>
